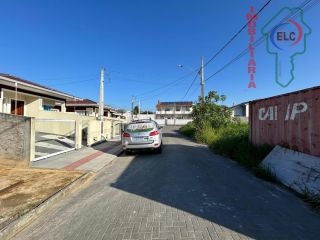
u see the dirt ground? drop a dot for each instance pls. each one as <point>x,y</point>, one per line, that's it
<point>23,188</point>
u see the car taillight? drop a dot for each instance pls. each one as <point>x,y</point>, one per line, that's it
<point>125,135</point>
<point>154,133</point>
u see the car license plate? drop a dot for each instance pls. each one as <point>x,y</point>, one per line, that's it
<point>141,139</point>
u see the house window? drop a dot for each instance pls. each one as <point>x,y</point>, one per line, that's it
<point>17,107</point>
<point>178,109</point>
<point>167,109</point>
<point>47,107</point>
<point>81,112</point>
<point>89,111</point>
<point>5,106</point>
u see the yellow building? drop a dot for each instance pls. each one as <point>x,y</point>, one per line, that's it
<point>22,97</point>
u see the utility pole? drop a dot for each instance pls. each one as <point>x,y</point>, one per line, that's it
<point>16,99</point>
<point>202,80</point>
<point>139,109</point>
<point>132,106</point>
<point>101,100</point>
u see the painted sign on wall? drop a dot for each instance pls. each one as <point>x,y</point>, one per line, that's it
<point>271,113</point>
<point>290,120</point>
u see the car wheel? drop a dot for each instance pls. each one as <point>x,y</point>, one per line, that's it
<point>127,152</point>
<point>159,149</point>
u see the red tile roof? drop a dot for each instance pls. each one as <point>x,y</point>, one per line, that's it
<point>179,104</point>
<point>82,102</point>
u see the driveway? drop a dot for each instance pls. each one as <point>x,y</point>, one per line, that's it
<point>185,193</point>
<point>49,143</point>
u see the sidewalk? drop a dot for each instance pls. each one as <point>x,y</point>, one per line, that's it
<point>87,158</point>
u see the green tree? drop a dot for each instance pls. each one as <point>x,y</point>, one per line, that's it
<point>209,113</point>
<point>223,98</point>
<point>136,110</point>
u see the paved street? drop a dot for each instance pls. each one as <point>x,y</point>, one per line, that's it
<point>185,193</point>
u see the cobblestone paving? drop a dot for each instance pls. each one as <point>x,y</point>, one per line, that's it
<point>185,193</point>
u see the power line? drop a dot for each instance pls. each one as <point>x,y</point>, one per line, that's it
<point>235,35</point>
<point>262,38</point>
<point>74,82</point>
<point>193,81</point>
<point>159,94</point>
<point>244,52</point>
<point>215,55</point>
<point>195,90</point>
<point>164,86</point>
<point>229,42</point>
<point>66,78</point>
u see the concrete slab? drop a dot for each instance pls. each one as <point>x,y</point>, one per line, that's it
<point>46,144</point>
<point>296,170</point>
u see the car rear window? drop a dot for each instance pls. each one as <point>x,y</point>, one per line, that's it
<point>140,127</point>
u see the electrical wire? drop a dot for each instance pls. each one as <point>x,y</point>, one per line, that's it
<point>193,81</point>
<point>237,33</point>
<point>244,52</point>
<point>159,94</point>
<point>76,82</point>
<point>229,42</point>
<point>164,86</point>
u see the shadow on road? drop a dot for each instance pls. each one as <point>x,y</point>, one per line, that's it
<point>192,179</point>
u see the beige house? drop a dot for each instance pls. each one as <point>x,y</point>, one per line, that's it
<point>25,98</point>
<point>87,107</point>
<point>48,107</point>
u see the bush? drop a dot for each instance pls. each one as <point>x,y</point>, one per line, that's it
<point>207,112</point>
<point>188,130</point>
<point>206,135</point>
<point>233,141</point>
<point>213,125</point>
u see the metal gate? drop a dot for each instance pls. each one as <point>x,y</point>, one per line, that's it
<point>53,137</point>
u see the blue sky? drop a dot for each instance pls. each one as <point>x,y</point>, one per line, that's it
<point>63,44</point>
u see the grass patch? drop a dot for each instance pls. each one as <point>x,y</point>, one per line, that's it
<point>265,174</point>
<point>312,199</point>
<point>188,130</point>
<point>233,142</point>
<point>206,135</point>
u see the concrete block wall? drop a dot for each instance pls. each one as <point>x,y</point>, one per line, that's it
<point>94,132</point>
<point>110,129</point>
<point>16,134</point>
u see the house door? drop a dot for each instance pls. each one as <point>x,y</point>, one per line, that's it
<point>20,107</point>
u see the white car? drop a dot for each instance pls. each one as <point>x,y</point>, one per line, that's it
<point>142,135</point>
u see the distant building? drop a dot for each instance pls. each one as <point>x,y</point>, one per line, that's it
<point>87,107</point>
<point>174,110</point>
<point>174,113</point>
<point>241,111</point>
<point>83,107</point>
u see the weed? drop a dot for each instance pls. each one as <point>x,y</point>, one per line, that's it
<point>313,199</point>
<point>188,130</point>
<point>265,173</point>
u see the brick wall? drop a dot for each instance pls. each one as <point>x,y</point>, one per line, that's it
<point>15,138</point>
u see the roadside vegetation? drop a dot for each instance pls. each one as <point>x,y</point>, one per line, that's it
<point>312,199</point>
<point>213,125</point>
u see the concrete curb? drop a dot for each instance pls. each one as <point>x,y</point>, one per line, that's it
<point>18,223</point>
